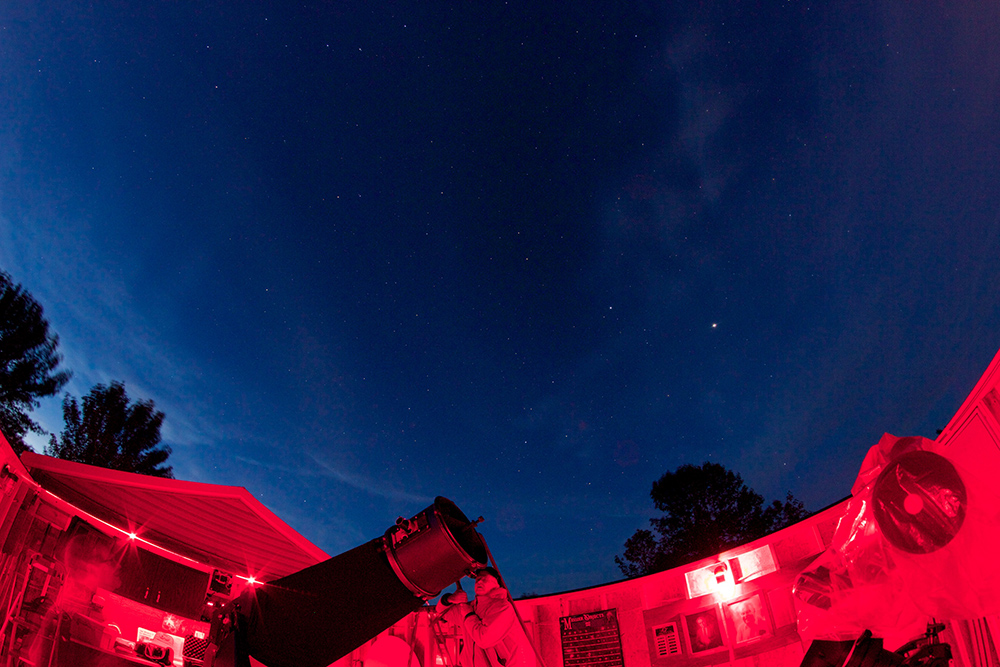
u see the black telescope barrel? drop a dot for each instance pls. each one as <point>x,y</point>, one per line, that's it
<point>315,616</point>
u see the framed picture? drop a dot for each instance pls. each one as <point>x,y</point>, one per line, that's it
<point>749,619</point>
<point>704,630</point>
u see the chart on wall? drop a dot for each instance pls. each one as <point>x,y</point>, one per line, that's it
<point>591,640</point>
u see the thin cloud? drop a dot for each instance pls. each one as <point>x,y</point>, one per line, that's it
<point>362,483</point>
<point>102,336</point>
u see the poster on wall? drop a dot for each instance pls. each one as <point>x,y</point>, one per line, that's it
<point>749,618</point>
<point>704,630</point>
<point>591,640</point>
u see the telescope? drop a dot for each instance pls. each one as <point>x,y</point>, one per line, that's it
<point>319,614</point>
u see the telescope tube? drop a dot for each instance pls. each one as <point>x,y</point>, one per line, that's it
<point>319,614</point>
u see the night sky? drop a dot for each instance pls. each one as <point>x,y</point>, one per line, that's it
<point>527,256</point>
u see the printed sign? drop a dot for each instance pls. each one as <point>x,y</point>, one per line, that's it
<point>591,640</point>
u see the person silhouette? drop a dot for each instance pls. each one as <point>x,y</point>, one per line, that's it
<point>493,633</point>
<point>706,633</point>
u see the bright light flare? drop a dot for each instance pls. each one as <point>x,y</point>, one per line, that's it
<point>723,582</point>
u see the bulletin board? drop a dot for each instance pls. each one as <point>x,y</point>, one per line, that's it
<point>591,640</point>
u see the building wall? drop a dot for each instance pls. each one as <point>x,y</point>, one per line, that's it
<point>659,614</point>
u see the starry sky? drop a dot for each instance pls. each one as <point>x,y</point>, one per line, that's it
<point>527,256</point>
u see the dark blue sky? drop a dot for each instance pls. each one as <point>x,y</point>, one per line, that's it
<point>529,257</point>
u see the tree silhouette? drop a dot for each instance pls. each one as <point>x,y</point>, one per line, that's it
<point>706,509</point>
<point>28,362</point>
<point>112,433</point>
